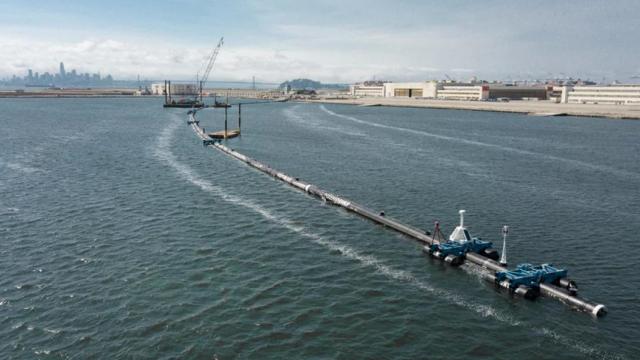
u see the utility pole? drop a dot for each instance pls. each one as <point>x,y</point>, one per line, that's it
<point>225,121</point>
<point>165,92</point>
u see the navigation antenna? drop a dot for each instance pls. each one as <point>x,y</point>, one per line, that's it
<point>503,258</point>
<point>212,60</point>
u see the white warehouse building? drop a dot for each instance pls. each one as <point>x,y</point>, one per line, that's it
<point>367,90</point>
<point>613,94</point>
<point>587,94</point>
<point>424,89</point>
<point>464,92</point>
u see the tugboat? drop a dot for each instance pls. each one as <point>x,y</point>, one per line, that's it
<point>460,243</point>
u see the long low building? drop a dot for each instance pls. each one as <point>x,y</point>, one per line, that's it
<point>614,94</point>
<point>360,90</point>
<point>436,90</point>
<point>427,89</point>
<point>447,91</point>
<point>424,89</point>
<point>463,93</point>
<point>588,94</point>
<point>515,92</point>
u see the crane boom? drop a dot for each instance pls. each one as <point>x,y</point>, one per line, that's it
<point>212,60</point>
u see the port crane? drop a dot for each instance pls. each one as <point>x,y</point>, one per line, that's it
<point>209,67</point>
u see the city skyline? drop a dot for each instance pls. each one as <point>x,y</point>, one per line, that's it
<point>329,41</point>
<point>62,77</point>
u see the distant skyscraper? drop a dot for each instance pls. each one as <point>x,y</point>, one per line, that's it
<point>61,78</point>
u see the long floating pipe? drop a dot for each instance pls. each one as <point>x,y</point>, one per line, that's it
<point>553,291</point>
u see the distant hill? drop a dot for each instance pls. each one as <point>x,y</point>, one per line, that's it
<point>301,84</point>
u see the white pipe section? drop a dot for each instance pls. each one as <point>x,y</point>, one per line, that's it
<point>546,289</point>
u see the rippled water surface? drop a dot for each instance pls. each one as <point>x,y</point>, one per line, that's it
<point>122,237</point>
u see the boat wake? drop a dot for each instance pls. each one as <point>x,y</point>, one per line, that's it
<point>311,121</point>
<point>163,152</point>
<point>18,167</point>
<point>601,168</point>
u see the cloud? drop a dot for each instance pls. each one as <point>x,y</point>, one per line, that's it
<point>333,41</point>
<point>126,60</point>
<point>462,70</point>
<point>120,58</point>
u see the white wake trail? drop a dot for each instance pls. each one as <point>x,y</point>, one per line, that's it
<point>600,168</point>
<point>163,152</point>
<point>315,123</point>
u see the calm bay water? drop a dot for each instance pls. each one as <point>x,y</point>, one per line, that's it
<point>122,237</point>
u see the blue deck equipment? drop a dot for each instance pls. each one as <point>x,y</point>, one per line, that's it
<point>526,278</point>
<point>459,244</point>
<point>456,248</point>
<point>560,287</point>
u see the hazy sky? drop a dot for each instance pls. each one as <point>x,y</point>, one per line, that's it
<point>331,41</point>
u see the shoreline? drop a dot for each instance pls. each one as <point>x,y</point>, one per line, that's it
<point>70,96</point>
<point>70,93</point>
<point>533,108</point>
<point>540,108</point>
<point>97,93</point>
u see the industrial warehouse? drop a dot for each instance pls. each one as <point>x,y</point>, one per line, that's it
<point>584,94</point>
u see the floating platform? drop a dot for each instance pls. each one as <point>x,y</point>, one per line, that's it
<point>224,134</point>
<point>494,271</point>
<point>183,105</point>
<point>218,104</point>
